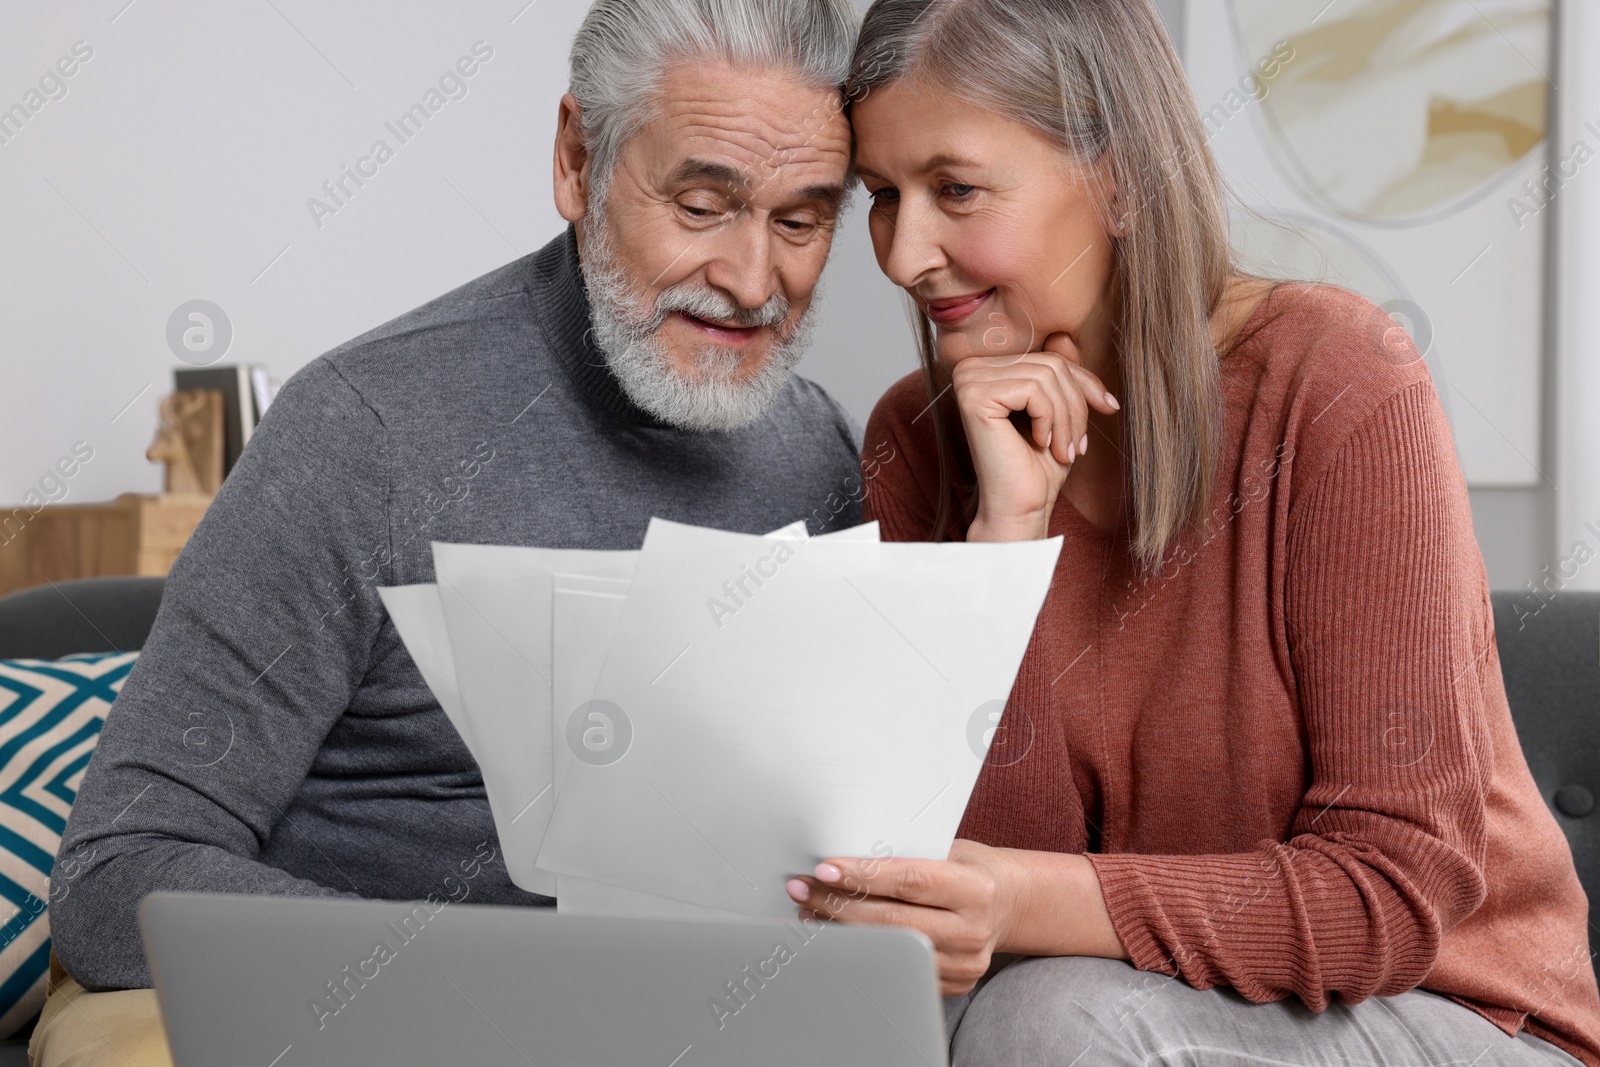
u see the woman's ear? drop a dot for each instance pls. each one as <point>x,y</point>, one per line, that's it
<point>572,162</point>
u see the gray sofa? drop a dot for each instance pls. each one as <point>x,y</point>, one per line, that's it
<point>49,622</point>
<point>1549,655</point>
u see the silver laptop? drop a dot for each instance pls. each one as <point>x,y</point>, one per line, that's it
<point>282,982</point>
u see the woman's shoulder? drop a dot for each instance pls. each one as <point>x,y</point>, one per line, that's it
<point>903,400</point>
<point>1314,327</point>
<point>1322,361</point>
<point>903,417</point>
<point>900,455</point>
<point>1327,320</point>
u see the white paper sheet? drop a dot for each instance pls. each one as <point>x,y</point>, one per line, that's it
<point>585,612</point>
<point>497,603</point>
<point>584,616</point>
<point>418,615</point>
<point>584,896</point>
<point>787,703</point>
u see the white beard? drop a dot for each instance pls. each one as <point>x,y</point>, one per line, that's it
<point>628,333</point>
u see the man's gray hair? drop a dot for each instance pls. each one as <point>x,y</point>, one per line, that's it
<point>624,48</point>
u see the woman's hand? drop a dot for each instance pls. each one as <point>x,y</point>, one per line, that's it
<point>1019,477</point>
<point>961,904</point>
<point>980,901</point>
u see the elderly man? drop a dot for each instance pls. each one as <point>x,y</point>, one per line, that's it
<point>275,737</point>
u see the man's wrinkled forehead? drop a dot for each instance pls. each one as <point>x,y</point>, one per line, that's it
<point>753,132</point>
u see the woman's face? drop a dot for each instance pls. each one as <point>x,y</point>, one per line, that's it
<point>998,236</point>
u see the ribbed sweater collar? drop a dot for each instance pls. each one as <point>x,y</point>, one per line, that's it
<point>562,301</point>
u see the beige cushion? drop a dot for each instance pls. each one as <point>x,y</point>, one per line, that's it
<point>82,1029</point>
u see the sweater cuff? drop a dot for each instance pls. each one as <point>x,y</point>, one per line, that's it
<point>1239,920</point>
<point>1133,908</point>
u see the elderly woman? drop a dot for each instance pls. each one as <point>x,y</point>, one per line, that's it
<point>1256,794</point>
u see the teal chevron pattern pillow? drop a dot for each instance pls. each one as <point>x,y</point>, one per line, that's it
<point>50,718</point>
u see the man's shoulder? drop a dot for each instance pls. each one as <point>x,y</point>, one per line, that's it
<point>468,328</point>
<point>809,408</point>
<point>467,320</point>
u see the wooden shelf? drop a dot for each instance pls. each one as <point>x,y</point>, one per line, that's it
<point>133,535</point>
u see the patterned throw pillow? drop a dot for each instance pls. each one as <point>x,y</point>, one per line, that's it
<point>50,719</point>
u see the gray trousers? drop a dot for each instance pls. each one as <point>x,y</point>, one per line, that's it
<point>1072,1010</point>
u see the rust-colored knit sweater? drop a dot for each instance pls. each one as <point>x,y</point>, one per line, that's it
<point>1289,754</point>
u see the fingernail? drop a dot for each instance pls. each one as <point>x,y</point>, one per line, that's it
<point>1072,453</point>
<point>797,889</point>
<point>1113,402</point>
<point>1083,446</point>
<point>827,872</point>
<point>1051,436</point>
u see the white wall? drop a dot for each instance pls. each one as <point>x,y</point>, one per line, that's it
<point>1577,438</point>
<point>1549,536</point>
<point>179,162</point>
<point>178,166</point>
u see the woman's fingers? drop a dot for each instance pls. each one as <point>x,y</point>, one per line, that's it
<point>949,902</point>
<point>1094,390</point>
<point>832,904</point>
<point>1050,410</point>
<point>1062,345</point>
<point>935,882</point>
<point>929,883</point>
<point>962,946</point>
<point>1022,468</point>
<point>961,960</point>
<point>1061,370</point>
<point>1041,387</point>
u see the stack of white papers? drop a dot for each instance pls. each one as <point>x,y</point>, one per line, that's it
<point>680,729</point>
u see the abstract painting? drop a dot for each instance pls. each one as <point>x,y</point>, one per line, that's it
<point>1400,110</point>
<point>1399,148</point>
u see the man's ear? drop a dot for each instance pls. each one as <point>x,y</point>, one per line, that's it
<point>572,162</point>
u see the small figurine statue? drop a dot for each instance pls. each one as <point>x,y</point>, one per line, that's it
<point>189,442</point>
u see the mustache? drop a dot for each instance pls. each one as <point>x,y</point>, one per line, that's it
<point>705,303</point>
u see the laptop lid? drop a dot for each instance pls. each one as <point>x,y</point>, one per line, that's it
<point>294,982</point>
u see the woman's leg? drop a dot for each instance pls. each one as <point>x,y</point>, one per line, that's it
<point>1076,1010</point>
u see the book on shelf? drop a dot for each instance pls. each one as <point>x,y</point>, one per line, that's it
<point>247,389</point>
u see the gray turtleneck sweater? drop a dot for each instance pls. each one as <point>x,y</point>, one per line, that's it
<point>275,737</point>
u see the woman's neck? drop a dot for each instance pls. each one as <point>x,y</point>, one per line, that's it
<point>1096,340</point>
<point>1097,485</point>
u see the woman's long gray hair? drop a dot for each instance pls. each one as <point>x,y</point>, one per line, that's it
<point>1100,78</point>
